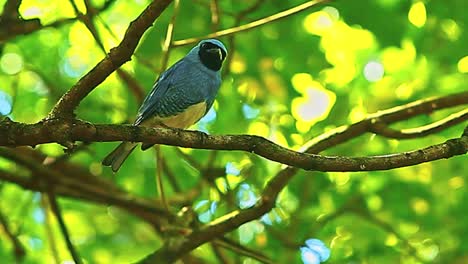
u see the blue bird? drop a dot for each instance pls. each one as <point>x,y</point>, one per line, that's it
<point>181,96</point>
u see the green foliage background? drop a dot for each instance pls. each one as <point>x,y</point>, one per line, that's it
<point>372,217</point>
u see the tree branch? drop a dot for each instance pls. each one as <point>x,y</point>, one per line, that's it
<point>19,250</point>
<point>382,129</point>
<point>233,220</point>
<point>78,186</point>
<point>63,228</point>
<point>251,25</point>
<point>66,131</point>
<point>88,21</point>
<point>21,134</point>
<point>10,11</point>
<point>114,59</point>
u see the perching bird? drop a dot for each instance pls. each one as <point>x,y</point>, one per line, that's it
<point>181,96</point>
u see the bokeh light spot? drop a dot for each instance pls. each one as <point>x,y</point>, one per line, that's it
<point>5,103</point>
<point>238,65</point>
<point>232,169</point>
<point>391,240</point>
<point>417,14</point>
<point>31,11</point>
<point>259,128</point>
<point>462,65</point>
<point>456,182</point>
<point>309,256</point>
<point>333,12</point>
<point>374,202</point>
<point>314,252</point>
<point>318,23</point>
<point>373,71</point>
<point>451,29</point>
<point>246,196</point>
<point>420,206</point>
<point>301,81</point>
<point>11,63</point>
<point>315,103</point>
<point>250,112</point>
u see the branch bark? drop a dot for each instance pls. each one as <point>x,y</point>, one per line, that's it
<point>67,131</point>
<point>59,130</point>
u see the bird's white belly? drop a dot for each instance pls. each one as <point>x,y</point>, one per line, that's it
<point>182,120</point>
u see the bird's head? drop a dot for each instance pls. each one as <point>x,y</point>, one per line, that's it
<point>211,53</point>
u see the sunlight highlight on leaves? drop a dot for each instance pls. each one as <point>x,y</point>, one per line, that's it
<point>417,14</point>
<point>397,59</point>
<point>317,22</point>
<point>48,11</point>
<point>238,65</point>
<point>259,128</point>
<point>344,46</point>
<point>315,103</point>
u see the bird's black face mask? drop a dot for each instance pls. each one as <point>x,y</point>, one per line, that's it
<point>211,55</point>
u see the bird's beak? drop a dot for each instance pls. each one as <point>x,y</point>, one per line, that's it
<point>218,51</point>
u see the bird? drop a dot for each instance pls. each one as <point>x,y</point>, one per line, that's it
<point>180,97</point>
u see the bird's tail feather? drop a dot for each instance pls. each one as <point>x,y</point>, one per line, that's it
<point>116,158</point>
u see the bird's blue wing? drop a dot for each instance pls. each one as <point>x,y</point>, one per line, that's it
<point>171,94</point>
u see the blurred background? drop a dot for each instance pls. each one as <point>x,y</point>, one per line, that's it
<point>289,81</point>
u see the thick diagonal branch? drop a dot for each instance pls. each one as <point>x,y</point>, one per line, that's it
<point>114,59</point>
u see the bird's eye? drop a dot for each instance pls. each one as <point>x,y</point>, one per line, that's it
<point>204,45</point>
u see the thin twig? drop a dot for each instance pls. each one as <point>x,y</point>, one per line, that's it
<point>231,40</point>
<point>48,229</point>
<point>251,25</point>
<point>81,189</point>
<point>169,35</point>
<point>18,248</point>
<point>170,176</point>
<point>219,254</point>
<point>382,129</point>
<point>159,177</point>
<point>214,7</point>
<point>190,160</point>
<point>242,250</point>
<point>63,228</point>
<point>389,228</point>
<point>165,58</point>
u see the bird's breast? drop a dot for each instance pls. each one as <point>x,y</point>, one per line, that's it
<point>181,120</point>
